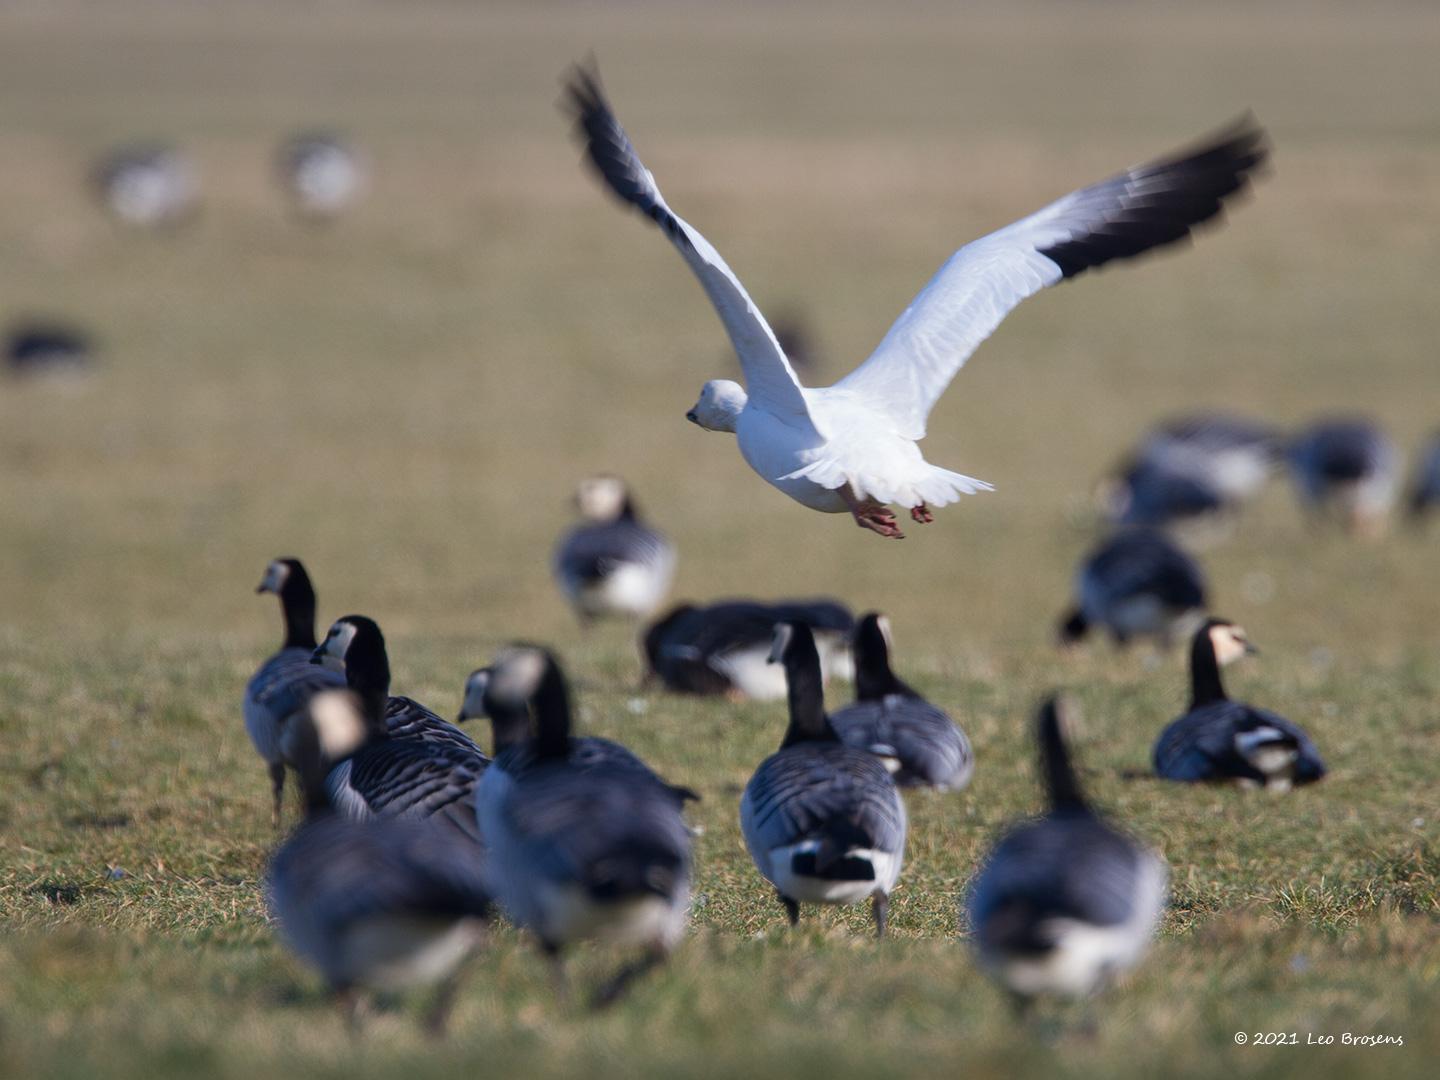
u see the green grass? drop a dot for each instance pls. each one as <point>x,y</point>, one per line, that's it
<point>405,401</point>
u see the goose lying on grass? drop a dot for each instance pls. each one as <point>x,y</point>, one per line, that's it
<point>1138,583</point>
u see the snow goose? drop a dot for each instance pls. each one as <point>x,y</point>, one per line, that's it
<point>852,446</point>
<point>1065,902</point>
<point>918,743</point>
<point>823,821</point>
<point>282,686</point>
<point>613,564</point>
<point>384,904</point>
<point>1137,583</point>
<point>1346,468</point>
<point>322,173</point>
<point>147,185</point>
<point>583,844</point>
<point>1425,495</point>
<point>1228,741</point>
<point>724,647</point>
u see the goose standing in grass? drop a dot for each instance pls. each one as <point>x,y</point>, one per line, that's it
<point>852,447</point>
<point>284,684</point>
<point>1065,902</point>
<point>1221,740</point>
<point>584,843</point>
<point>1137,584</point>
<point>1425,495</point>
<point>147,185</point>
<point>724,648</point>
<point>1347,469</point>
<point>613,563</point>
<point>823,821</point>
<point>322,173</point>
<point>385,904</point>
<point>915,741</point>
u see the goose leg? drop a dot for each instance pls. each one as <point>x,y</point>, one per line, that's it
<point>352,1007</point>
<point>619,985</point>
<point>557,969</point>
<point>872,515</point>
<point>792,908</point>
<point>880,908</point>
<point>921,514</point>
<point>277,792</point>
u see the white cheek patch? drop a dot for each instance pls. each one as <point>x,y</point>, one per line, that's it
<point>601,498</point>
<point>276,574</point>
<point>475,686</point>
<point>515,676</point>
<point>338,643</point>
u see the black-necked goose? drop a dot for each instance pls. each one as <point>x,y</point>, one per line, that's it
<point>852,447</point>
<point>384,904</point>
<point>1349,469</point>
<point>823,821</point>
<point>322,173</point>
<point>1220,740</point>
<point>612,563</point>
<point>1425,494</point>
<point>147,185</point>
<point>1137,583</point>
<point>582,843</point>
<point>918,743</point>
<point>1064,903</point>
<point>724,647</point>
<point>282,686</point>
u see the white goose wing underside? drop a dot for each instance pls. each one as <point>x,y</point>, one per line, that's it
<point>1142,208</point>
<point>769,379</point>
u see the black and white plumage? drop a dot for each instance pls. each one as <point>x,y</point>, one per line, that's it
<point>724,647</point>
<point>822,820</point>
<point>918,743</point>
<point>381,904</point>
<point>585,841</point>
<point>1346,468</point>
<point>1224,741</point>
<point>1425,493</point>
<point>283,685</point>
<point>322,173</point>
<point>612,563</point>
<point>147,185</point>
<point>45,347</point>
<point>1138,583</point>
<point>853,446</point>
<point>1065,902</point>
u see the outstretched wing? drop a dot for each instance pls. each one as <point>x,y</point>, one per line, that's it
<point>769,378</point>
<point>1145,207</point>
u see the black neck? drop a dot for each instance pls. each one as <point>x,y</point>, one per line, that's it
<point>367,671</point>
<point>628,510</point>
<point>1060,781</point>
<point>1205,684</point>
<point>805,690</point>
<point>551,704</point>
<point>510,725</point>
<point>297,601</point>
<point>874,679</point>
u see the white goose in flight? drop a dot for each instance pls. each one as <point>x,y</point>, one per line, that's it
<point>852,446</point>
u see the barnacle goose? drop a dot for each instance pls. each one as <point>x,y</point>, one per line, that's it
<point>823,820</point>
<point>321,172</point>
<point>1064,902</point>
<point>147,185</point>
<point>1346,468</point>
<point>403,759</point>
<point>283,685</point>
<point>724,647</point>
<point>918,743</point>
<point>1425,495</point>
<point>382,904</point>
<point>612,563</point>
<point>1222,740</point>
<point>1137,583</point>
<point>584,842</point>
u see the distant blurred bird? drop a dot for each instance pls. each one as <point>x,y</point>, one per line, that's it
<point>147,185</point>
<point>822,820</point>
<point>852,447</point>
<point>583,844</point>
<point>36,347</point>
<point>323,174</point>
<point>384,904</point>
<point>1346,469</point>
<point>1222,740</point>
<point>919,744</point>
<point>724,647</point>
<point>1064,903</point>
<point>1425,495</point>
<point>282,687</point>
<point>1135,584</point>
<point>612,563</point>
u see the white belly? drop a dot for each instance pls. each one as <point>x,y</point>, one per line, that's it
<point>569,913</point>
<point>816,890</point>
<point>774,450</point>
<point>394,952</point>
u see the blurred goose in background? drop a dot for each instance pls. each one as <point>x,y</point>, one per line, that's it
<point>919,744</point>
<point>283,685</point>
<point>1348,469</point>
<point>724,648</point>
<point>1137,584</point>
<point>403,759</point>
<point>385,904</point>
<point>613,563</point>
<point>852,447</point>
<point>823,821</point>
<point>1065,902</point>
<point>46,347</point>
<point>147,185</point>
<point>1228,741</point>
<point>1425,495</point>
<point>584,843</point>
<point>322,173</point>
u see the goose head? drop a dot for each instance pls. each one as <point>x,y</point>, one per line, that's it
<point>603,498</point>
<point>720,405</point>
<point>525,681</point>
<point>1228,641</point>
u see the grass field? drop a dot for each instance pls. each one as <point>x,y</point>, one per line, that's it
<point>405,401</point>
